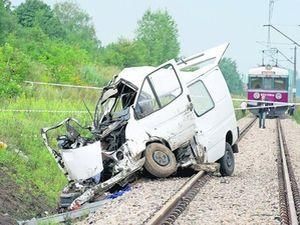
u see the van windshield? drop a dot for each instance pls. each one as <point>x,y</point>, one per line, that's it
<point>113,102</point>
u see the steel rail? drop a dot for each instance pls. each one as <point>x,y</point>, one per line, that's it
<point>63,217</point>
<point>174,206</point>
<point>246,128</point>
<point>178,202</point>
<point>288,189</point>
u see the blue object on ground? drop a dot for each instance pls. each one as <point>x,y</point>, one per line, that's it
<point>119,193</point>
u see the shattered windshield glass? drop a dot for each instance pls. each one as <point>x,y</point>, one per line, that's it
<point>104,104</point>
<point>113,101</point>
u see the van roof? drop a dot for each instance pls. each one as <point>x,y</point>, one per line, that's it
<point>135,75</point>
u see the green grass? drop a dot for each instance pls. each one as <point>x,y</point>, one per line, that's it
<point>297,116</point>
<point>297,112</point>
<point>237,104</point>
<point>38,172</point>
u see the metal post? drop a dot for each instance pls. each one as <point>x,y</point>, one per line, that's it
<point>295,74</point>
<point>295,58</point>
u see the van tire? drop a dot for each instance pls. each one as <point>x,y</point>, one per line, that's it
<point>227,162</point>
<point>160,160</point>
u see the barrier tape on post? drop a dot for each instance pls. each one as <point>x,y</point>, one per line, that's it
<point>62,85</point>
<point>40,111</point>
<point>261,107</point>
<point>260,101</point>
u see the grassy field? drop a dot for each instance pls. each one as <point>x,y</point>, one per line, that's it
<point>29,163</point>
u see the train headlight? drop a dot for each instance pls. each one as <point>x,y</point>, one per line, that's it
<point>256,95</point>
<point>278,96</point>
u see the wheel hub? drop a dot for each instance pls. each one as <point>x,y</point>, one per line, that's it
<point>228,160</point>
<point>161,158</point>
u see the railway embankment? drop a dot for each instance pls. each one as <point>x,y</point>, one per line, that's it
<point>292,137</point>
<point>250,196</point>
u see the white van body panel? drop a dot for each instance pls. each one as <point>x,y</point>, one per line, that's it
<point>214,124</point>
<point>84,162</point>
<point>173,123</point>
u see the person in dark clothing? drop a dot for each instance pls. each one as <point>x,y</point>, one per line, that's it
<point>291,110</point>
<point>262,113</point>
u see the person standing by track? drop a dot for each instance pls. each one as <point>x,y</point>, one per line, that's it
<point>262,113</point>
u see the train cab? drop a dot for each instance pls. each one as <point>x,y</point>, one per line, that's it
<point>272,85</point>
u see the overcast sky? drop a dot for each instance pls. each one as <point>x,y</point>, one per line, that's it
<point>202,24</point>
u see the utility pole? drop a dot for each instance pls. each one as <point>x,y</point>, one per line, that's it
<point>295,74</point>
<point>295,58</point>
<point>271,6</point>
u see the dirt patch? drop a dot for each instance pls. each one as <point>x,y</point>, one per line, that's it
<point>17,201</point>
<point>7,220</point>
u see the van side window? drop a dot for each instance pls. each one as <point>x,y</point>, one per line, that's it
<point>146,103</point>
<point>159,89</point>
<point>200,97</point>
<point>165,84</point>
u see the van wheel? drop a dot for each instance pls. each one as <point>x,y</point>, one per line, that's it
<point>227,161</point>
<point>160,160</point>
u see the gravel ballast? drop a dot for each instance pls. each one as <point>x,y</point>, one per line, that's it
<point>292,136</point>
<point>250,196</point>
<point>136,206</point>
<point>244,121</point>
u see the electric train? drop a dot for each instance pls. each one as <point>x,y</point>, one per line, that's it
<point>270,84</point>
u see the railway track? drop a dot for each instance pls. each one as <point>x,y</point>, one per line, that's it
<point>172,209</point>
<point>289,195</point>
<point>246,128</point>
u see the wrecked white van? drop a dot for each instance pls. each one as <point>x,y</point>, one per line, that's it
<point>179,114</point>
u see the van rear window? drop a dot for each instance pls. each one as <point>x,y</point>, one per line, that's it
<point>200,97</point>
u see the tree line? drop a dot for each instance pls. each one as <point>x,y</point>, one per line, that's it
<point>59,44</point>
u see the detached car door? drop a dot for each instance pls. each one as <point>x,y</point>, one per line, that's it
<point>163,106</point>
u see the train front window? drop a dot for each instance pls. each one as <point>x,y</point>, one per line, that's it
<point>280,83</point>
<point>268,83</point>
<point>256,83</point>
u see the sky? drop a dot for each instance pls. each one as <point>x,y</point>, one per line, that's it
<point>203,24</point>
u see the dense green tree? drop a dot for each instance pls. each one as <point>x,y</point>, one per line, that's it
<point>7,20</point>
<point>33,13</point>
<point>231,75</point>
<point>158,32</point>
<point>14,66</point>
<point>124,53</point>
<point>77,25</point>
<point>62,60</point>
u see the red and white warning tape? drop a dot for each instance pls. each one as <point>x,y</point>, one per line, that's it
<point>41,111</point>
<point>62,85</point>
